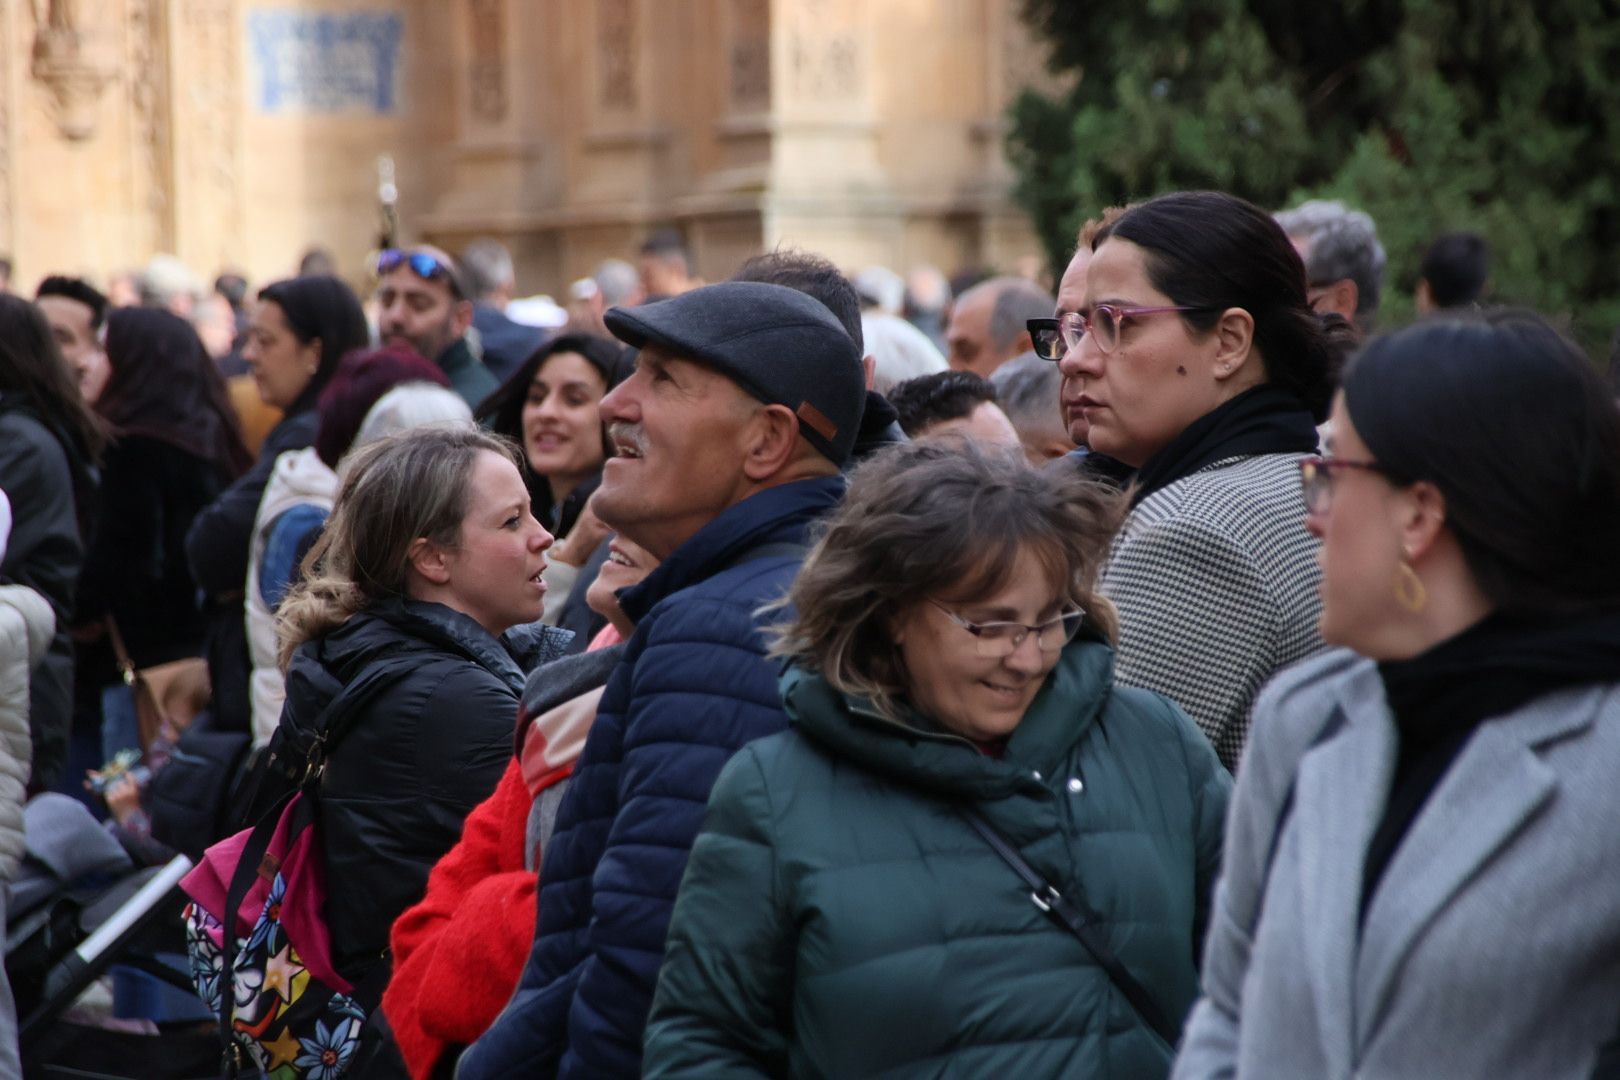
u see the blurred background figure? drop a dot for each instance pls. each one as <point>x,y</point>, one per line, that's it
<point>987,326</point>
<point>953,403</point>
<point>665,265</point>
<point>301,328</point>
<point>316,261</point>
<point>1344,262</point>
<point>168,283</point>
<point>880,289</point>
<point>175,448</point>
<point>124,289</point>
<point>897,349</point>
<point>614,283</point>
<point>492,283</point>
<point>928,295</point>
<point>233,286</point>
<point>50,444</point>
<point>1454,273</point>
<point>5,273</point>
<point>77,311</point>
<point>1027,390</point>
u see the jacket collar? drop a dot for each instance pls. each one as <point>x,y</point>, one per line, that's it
<point>919,755</point>
<point>1496,785</point>
<point>506,657</point>
<point>776,515</point>
<point>457,356</point>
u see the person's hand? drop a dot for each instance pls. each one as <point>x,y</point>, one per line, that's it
<point>123,798</point>
<point>586,536</point>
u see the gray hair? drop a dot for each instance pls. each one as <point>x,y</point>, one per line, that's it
<point>1028,389</point>
<point>487,266</point>
<point>1017,301</point>
<point>882,288</point>
<point>411,405</point>
<point>899,350</point>
<point>166,277</point>
<point>618,281</point>
<point>1339,243</point>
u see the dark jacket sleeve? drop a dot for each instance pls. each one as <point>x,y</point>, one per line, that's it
<point>724,990</point>
<point>217,544</point>
<point>699,688</point>
<point>399,788</point>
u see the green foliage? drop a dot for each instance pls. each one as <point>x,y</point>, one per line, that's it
<point>1497,116</point>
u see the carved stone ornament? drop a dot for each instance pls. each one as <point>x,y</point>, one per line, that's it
<point>68,64</point>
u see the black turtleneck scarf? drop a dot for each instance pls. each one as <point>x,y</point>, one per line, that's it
<point>1441,697</point>
<point>1264,420</point>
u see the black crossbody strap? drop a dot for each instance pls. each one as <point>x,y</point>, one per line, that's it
<point>1060,910</point>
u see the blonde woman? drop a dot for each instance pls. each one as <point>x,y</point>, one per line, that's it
<point>430,563</point>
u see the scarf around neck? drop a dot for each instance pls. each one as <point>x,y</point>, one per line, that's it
<point>1263,420</point>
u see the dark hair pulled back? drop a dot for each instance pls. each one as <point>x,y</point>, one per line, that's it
<point>1509,420</point>
<point>1208,249</point>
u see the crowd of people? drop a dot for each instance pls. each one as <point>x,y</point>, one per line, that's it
<point>811,674</point>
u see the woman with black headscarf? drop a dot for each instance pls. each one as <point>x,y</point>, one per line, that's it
<point>300,329</point>
<point>175,448</point>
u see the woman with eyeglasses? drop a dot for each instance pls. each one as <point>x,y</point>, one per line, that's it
<point>1190,354</point>
<point>1420,874</point>
<point>890,887</point>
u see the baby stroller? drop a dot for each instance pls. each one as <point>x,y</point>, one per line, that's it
<point>78,906</point>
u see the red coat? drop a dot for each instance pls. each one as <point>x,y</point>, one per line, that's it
<point>478,914</point>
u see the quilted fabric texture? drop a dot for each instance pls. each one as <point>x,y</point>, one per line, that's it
<point>694,686</point>
<point>840,918</point>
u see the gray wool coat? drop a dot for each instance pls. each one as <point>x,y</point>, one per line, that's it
<point>1492,945</point>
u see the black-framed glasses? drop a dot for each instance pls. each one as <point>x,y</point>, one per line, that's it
<point>1055,337</point>
<point>995,640</point>
<point>1316,479</point>
<point>423,264</point>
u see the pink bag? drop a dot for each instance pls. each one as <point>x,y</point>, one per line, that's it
<point>290,1013</point>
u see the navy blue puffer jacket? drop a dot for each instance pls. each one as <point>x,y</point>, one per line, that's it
<point>694,687</point>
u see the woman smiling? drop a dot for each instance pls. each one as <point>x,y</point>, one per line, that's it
<point>860,900</point>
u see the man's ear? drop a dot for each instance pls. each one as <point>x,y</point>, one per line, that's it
<point>1234,338</point>
<point>462,315</point>
<point>772,442</point>
<point>869,365</point>
<point>430,561</point>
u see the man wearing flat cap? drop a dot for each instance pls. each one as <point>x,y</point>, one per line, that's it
<point>730,435</point>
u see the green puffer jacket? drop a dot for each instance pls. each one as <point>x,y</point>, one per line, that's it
<point>838,918</point>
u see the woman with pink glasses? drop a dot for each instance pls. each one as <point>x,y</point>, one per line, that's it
<point>1189,354</point>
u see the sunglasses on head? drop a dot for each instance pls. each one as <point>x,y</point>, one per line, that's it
<point>423,264</point>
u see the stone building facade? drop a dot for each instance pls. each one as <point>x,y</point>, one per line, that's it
<point>239,132</point>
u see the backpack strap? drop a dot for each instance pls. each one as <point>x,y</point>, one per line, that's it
<point>332,724</point>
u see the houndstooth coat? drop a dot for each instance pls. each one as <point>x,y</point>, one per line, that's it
<point>1216,582</point>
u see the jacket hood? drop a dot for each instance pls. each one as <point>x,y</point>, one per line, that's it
<point>781,514</point>
<point>302,475</point>
<point>322,668</point>
<point>917,753</point>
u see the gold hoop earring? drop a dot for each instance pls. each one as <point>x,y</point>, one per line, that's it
<point>1409,590</point>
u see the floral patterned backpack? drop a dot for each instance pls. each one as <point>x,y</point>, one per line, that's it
<point>283,1007</point>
